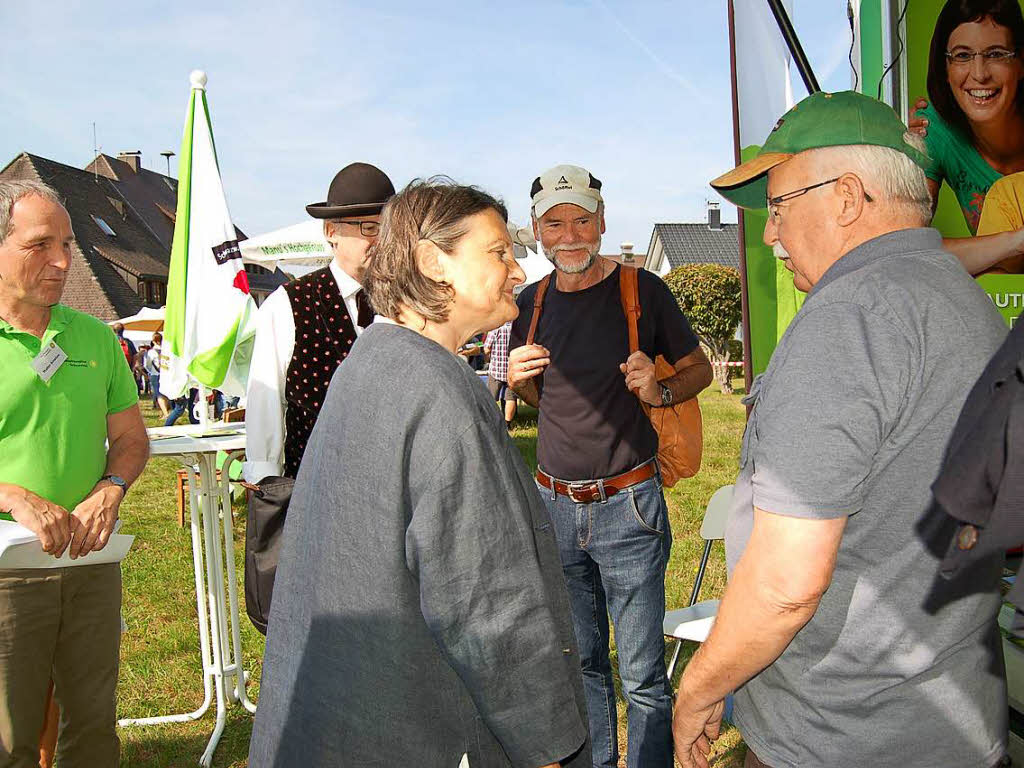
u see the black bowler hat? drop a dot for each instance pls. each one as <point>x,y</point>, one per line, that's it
<point>358,189</point>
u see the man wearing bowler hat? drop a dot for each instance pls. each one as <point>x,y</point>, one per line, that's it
<point>303,332</point>
<point>307,326</point>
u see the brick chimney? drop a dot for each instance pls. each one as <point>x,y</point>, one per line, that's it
<point>714,216</point>
<point>627,253</point>
<point>133,159</point>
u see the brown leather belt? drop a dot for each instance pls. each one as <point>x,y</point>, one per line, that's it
<point>589,491</point>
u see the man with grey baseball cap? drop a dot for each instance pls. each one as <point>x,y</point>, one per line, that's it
<point>570,357</point>
<point>829,630</point>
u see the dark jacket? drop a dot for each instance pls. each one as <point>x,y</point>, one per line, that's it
<point>981,484</point>
<point>419,612</point>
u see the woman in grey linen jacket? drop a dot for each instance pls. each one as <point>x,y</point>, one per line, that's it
<point>420,616</point>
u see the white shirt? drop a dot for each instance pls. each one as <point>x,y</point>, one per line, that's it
<point>151,362</point>
<point>271,356</point>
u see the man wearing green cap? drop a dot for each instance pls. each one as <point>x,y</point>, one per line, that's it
<point>834,630</point>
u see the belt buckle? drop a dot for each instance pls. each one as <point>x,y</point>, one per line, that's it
<point>573,488</point>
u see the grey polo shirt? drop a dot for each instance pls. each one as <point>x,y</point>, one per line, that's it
<point>851,418</point>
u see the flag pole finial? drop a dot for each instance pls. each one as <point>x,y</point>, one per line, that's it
<point>198,79</point>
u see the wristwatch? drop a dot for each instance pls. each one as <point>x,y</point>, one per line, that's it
<point>666,395</point>
<point>118,481</point>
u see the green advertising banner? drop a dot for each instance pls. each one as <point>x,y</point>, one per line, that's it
<point>1007,293</point>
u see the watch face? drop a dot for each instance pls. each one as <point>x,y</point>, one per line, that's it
<point>117,480</point>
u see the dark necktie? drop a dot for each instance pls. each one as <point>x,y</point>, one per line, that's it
<point>366,313</point>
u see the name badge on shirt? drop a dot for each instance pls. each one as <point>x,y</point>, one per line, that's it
<point>48,361</point>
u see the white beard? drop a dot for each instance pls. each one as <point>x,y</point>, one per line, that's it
<point>573,269</point>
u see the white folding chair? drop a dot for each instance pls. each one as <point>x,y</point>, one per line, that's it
<point>694,622</point>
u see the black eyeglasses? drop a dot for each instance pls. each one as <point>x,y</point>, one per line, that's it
<point>773,202</point>
<point>366,228</point>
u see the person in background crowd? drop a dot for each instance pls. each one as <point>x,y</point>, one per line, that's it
<point>139,370</point>
<point>974,126</point>
<point>420,615</point>
<point>151,366</point>
<point>825,627</point>
<point>496,346</point>
<point>127,346</point>
<point>306,327</point>
<point>72,441</point>
<point>596,453</point>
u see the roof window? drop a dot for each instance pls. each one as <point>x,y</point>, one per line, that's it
<point>104,226</point>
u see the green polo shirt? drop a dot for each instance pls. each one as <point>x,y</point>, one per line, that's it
<point>53,434</point>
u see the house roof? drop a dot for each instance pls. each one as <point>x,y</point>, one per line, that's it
<point>697,244</point>
<point>93,284</point>
<point>151,196</point>
<point>137,206</point>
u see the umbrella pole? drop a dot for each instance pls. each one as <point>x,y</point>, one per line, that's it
<point>204,411</point>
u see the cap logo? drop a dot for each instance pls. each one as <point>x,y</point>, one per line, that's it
<point>778,124</point>
<point>561,180</point>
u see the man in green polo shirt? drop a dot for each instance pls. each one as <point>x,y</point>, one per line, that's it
<point>71,442</point>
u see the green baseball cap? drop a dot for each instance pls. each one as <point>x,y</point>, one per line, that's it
<point>820,120</point>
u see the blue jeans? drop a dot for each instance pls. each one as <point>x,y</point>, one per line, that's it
<point>154,385</point>
<point>183,405</point>
<point>614,555</point>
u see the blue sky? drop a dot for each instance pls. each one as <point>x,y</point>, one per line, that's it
<point>488,93</point>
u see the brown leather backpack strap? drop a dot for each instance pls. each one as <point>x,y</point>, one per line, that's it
<point>630,297</point>
<point>538,305</point>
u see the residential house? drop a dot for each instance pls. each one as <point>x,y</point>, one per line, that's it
<point>123,218</point>
<point>710,242</point>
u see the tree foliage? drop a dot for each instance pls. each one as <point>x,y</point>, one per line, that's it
<point>709,295</point>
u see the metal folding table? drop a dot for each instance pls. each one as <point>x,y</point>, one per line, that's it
<point>213,556</point>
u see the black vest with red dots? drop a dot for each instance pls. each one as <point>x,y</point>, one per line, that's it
<point>324,334</point>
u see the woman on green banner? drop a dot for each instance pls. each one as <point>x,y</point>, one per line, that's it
<point>974,126</point>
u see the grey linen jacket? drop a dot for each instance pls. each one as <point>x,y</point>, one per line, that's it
<point>419,611</point>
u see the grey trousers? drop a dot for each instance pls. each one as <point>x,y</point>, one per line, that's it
<point>61,624</point>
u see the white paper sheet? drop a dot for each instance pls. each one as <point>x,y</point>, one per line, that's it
<point>20,548</point>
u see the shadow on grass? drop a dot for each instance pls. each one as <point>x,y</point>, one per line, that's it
<point>182,744</point>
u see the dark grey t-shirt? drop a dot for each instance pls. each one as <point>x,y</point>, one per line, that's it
<point>851,418</point>
<point>590,425</point>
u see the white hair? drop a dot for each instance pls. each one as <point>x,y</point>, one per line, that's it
<point>13,191</point>
<point>888,175</point>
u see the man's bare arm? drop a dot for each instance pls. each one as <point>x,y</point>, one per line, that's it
<point>774,591</point>
<point>128,444</point>
<point>92,521</point>
<point>693,375</point>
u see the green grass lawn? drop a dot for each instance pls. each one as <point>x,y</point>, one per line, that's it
<point>160,667</point>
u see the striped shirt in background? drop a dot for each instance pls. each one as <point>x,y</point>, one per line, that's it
<point>497,340</point>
